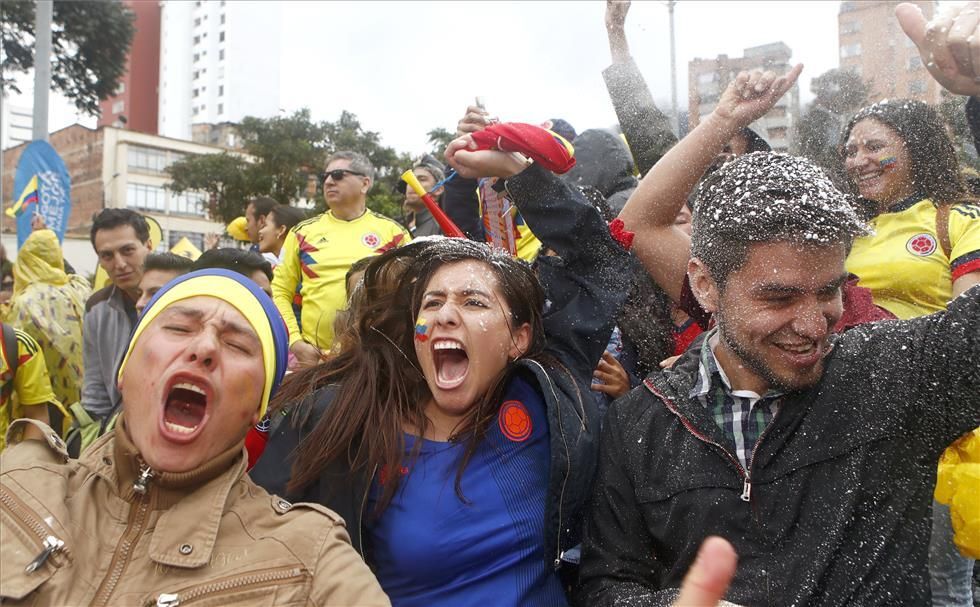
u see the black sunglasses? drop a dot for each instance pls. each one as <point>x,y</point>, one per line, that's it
<point>337,174</point>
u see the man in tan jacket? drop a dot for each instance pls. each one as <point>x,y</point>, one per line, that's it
<point>160,511</point>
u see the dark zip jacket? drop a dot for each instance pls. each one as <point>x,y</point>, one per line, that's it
<point>835,509</point>
<point>585,290</point>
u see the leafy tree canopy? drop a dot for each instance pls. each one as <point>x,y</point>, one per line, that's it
<point>89,45</point>
<point>287,154</point>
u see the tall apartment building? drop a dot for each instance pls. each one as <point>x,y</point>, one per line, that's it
<point>135,104</point>
<point>873,46</point>
<point>708,78</point>
<point>16,123</point>
<point>219,62</point>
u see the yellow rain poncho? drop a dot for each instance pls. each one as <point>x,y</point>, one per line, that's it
<point>958,484</point>
<point>49,305</point>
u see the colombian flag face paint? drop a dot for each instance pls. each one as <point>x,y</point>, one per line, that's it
<point>887,161</point>
<point>421,330</point>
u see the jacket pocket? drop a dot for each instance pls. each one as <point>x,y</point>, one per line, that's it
<point>31,551</point>
<point>280,586</point>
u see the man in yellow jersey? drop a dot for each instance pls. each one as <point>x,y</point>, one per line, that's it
<point>25,389</point>
<point>318,252</point>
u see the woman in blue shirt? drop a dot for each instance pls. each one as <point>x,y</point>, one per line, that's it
<point>456,432</point>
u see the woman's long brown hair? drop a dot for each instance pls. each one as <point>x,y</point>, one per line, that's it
<point>380,389</point>
<point>935,167</point>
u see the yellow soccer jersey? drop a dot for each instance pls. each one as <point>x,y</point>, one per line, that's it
<point>315,259</point>
<point>31,386</point>
<point>904,264</point>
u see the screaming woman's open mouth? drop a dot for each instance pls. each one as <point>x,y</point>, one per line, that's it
<point>184,410</point>
<point>451,362</point>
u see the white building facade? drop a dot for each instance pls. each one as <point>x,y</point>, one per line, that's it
<point>219,62</point>
<point>16,123</point>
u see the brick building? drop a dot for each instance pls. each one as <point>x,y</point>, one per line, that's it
<point>873,46</point>
<point>113,167</point>
<point>708,79</point>
<point>135,104</point>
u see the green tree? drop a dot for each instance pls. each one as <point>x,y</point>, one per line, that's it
<point>226,178</point>
<point>439,139</point>
<point>286,154</point>
<point>289,149</point>
<point>89,45</point>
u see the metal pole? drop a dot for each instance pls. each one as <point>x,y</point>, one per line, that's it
<point>673,70</point>
<point>42,67</point>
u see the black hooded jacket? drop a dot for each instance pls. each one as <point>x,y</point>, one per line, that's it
<point>604,162</point>
<point>835,509</point>
<point>584,291</point>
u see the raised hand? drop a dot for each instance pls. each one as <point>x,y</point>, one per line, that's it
<point>616,11</point>
<point>754,93</point>
<point>462,155</point>
<point>949,44</point>
<point>475,119</point>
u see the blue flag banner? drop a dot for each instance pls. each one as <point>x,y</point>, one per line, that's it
<point>41,186</point>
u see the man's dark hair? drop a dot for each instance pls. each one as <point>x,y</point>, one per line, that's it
<point>358,162</point>
<point>167,262</point>
<point>245,263</point>
<point>107,219</point>
<point>262,204</point>
<point>765,197</point>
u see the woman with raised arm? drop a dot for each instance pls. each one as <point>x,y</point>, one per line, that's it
<point>925,249</point>
<point>455,432</point>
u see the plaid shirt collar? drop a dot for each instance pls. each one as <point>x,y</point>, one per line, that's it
<point>712,377</point>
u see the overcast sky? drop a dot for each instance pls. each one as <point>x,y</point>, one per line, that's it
<point>406,67</point>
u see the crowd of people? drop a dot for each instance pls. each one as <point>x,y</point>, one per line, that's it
<point>653,372</point>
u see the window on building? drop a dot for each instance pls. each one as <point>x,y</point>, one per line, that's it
<point>197,74</point>
<point>221,53</point>
<point>197,22</point>
<point>778,132</point>
<point>118,106</point>
<point>121,88</point>
<point>221,108</point>
<point>197,56</point>
<point>195,93</point>
<point>221,37</point>
<point>146,160</point>
<point>188,203</point>
<point>917,87</point>
<point>197,39</point>
<point>850,27</point>
<point>145,197</point>
<point>196,238</point>
<point>222,18</point>
<point>854,69</point>
<point>221,90</point>
<point>706,78</point>
<point>915,62</point>
<point>850,50</point>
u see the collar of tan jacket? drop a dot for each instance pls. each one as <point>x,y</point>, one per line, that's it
<point>192,502</point>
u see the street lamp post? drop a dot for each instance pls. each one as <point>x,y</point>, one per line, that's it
<point>42,67</point>
<point>673,69</point>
